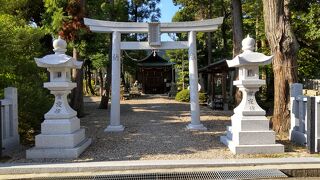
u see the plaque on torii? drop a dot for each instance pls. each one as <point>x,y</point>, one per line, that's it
<point>154,34</point>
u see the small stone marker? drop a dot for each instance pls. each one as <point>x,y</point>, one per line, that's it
<point>249,133</point>
<point>61,135</point>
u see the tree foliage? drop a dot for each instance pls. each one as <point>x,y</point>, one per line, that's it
<point>141,10</point>
<point>181,64</point>
<point>20,42</point>
<point>306,26</point>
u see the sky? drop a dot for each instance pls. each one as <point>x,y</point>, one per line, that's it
<point>167,12</point>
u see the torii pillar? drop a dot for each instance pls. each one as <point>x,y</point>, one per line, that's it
<point>115,125</point>
<point>195,123</point>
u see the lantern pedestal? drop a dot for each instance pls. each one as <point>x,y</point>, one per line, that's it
<point>250,132</point>
<point>61,136</point>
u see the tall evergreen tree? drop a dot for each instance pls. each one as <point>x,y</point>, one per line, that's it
<point>284,46</point>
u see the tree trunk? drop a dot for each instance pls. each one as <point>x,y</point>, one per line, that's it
<point>224,26</point>
<point>101,82</point>
<point>237,26</point>
<point>237,30</point>
<point>284,47</point>
<point>89,80</point>
<point>77,93</point>
<point>105,97</point>
<point>86,79</point>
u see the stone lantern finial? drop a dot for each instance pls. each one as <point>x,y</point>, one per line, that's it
<point>248,44</point>
<point>59,45</point>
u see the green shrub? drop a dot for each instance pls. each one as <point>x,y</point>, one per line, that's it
<point>202,97</point>
<point>184,96</point>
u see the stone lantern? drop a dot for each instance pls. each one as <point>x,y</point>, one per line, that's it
<point>61,135</point>
<point>250,133</point>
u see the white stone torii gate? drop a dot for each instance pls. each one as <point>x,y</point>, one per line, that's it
<point>154,31</point>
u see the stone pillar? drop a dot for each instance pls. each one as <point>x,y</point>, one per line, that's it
<point>298,115</point>
<point>11,138</point>
<point>115,125</point>
<point>317,124</point>
<point>193,81</point>
<point>295,91</point>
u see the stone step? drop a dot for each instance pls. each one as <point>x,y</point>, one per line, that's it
<point>252,149</point>
<point>65,153</point>
<point>259,149</point>
<point>60,140</point>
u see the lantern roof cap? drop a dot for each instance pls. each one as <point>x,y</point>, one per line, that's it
<point>248,57</point>
<point>59,59</point>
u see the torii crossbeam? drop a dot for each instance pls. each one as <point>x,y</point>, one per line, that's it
<point>154,31</point>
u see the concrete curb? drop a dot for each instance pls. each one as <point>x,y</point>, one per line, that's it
<point>32,168</point>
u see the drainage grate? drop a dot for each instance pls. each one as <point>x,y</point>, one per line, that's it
<point>162,176</point>
<point>243,174</point>
<point>252,174</point>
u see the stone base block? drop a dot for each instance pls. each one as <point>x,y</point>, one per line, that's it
<point>60,126</point>
<point>250,137</point>
<point>60,140</point>
<point>253,137</point>
<point>298,137</point>
<point>65,153</point>
<point>252,149</point>
<point>250,123</point>
<point>114,128</point>
<point>198,127</point>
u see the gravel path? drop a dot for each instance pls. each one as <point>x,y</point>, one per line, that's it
<point>155,130</point>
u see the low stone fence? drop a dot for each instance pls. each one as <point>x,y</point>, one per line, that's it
<point>9,135</point>
<point>313,84</point>
<point>305,119</point>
